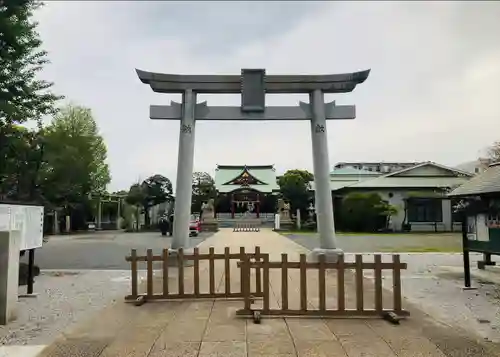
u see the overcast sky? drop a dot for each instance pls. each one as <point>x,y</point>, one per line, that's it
<point>433,92</point>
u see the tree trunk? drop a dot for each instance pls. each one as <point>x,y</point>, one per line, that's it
<point>147,219</point>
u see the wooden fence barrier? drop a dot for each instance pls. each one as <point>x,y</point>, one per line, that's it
<point>246,227</point>
<point>196,257</point>
<point>341,268</point>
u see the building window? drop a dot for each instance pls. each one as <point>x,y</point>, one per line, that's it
<point>425,210</point>
<point>476,170</point>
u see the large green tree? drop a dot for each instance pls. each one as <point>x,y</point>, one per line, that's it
<point>75,155</point>
<point>152,191</point>
<point>21,160</point>
<point>24,97</point>
<point>295,187</point>
<point>203,190</point>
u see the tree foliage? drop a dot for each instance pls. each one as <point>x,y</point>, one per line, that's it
<point>154,190</point>
<point>494,152</point>
<point>74,158</point>
<point>203,189</point>
<point>21,159</point>
<point>295,187</point>
<point>23,96</point>
<point>364,212</point>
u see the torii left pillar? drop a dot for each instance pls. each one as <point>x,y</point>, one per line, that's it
<point>183,189</point>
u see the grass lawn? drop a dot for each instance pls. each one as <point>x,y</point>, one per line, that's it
<point>386,242</point>
<point>413,249</point>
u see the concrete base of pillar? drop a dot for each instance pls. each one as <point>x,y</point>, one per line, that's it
<point>331,255</point>
<point>173,261</point>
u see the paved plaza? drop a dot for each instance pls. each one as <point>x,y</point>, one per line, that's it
<point>210,328</point>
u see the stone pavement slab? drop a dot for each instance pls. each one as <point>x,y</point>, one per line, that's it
<point>210,328</point>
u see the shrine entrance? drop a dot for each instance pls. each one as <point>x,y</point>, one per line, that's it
<point>245,201</point>
<point>254,84</point>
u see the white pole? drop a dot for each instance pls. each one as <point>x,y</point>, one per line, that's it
<point>185,162</point>
<point>321,163</point>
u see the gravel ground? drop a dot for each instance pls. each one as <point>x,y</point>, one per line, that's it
<point>63,299</point>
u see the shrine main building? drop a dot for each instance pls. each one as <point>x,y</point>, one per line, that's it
<point>245,188</point>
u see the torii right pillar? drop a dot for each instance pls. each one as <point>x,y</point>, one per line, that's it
<point>322,192</point>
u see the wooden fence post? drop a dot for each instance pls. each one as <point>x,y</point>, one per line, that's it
<point>227,272</point>
<point>242,272</point>
<point>303,283</point>
<point>196,271</point>
<point>378,283</point>
<point>149,282</point>
<point>396,283</point>
<point>265,267</point>
<point>258,278</point>
<point>133,270</point>
<point>359,282</point>
<point>341,284</point>
<point>211,270</point>
<point>165,273</point>
<point>321,282</point>
<point>284,281</point>
<point>180,267</point>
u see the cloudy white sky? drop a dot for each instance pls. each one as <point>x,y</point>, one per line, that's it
<point>432,94</point>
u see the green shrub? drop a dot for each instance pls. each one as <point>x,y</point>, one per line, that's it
<point>363,212</point>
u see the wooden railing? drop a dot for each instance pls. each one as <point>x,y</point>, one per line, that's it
<point>197,259</point>
<point>343,272</point>
<point>247,225</point>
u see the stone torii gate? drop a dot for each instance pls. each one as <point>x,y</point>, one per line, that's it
<point>253,84</point>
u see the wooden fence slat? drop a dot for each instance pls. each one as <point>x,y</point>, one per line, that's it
<point>242,273</point>
<point>180,267</point>
<point>321,282</point>
<point>340,284</point>
<point>196,271</point>
<point>165,273</point>
<point>396,283</point>
<point>245,284</point>
<point>258,277</point>
<point>211,270</point>
<point>284,281</point>
<point>133,271</point>
<point>227,271</point>
<point>378,283</point>
<point>149,282</point>
<point>265,274</point>
<point>303,283</point>
<point>359,282</point>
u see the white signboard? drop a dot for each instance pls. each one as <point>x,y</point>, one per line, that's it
<point>26,219</point>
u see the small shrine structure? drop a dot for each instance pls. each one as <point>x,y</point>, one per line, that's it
<point>480,207</point>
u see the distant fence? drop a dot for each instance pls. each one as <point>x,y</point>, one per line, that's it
<point>321,267</point>
<point>197,260</point>
<point>247,225</point>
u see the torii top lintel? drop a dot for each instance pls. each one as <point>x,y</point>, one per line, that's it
<point>178,83</point>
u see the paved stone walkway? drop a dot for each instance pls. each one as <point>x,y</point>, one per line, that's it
<point>209,328</point>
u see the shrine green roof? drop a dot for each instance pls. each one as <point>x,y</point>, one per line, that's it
<point>264,174</point>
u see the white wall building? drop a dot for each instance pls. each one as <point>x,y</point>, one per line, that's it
<point>417,190</point>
